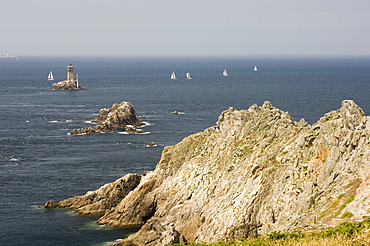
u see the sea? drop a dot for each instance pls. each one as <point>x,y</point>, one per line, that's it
<point>40,161</point>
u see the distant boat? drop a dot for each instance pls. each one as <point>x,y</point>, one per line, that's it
<point>255,68</point>
<point>173,76</point>
<point>50,76</point>
<point>188,76</point>
<point>225,73</point>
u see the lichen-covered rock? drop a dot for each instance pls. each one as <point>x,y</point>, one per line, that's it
<point>256,171</point>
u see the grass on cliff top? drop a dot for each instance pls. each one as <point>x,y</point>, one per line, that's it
<point>346,234</point>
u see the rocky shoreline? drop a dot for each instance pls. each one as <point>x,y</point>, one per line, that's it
<point>119,116</point>
<point>256,171</point>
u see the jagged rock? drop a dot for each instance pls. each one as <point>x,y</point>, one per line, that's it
<point>101,200</point>
<point>256,171</point>
<point>118,116</point>
<point>50,204</point>
<point>132,129</point>
<point>152,144</point>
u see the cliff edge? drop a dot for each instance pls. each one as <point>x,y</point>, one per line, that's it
<point>256,171</point>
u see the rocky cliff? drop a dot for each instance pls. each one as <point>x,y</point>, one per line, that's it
<point>120,115</point>
<point>256,171</point>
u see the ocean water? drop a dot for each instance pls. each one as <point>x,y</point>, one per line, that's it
<point>39,161</point>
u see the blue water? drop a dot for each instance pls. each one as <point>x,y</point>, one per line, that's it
<point>39,161</point>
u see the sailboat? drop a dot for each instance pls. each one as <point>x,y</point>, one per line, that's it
<point>188,76</point>
<point>173,76</point>
<point>255,68</point>
<point>225,73</point>
<point>50,76</point>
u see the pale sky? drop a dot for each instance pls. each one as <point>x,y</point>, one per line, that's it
<point>185,27</point>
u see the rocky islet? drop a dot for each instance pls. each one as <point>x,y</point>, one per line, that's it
<point>119,116</point>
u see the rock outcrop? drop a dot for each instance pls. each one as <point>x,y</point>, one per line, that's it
<point>101,200</point>
<point>118,116</point>
<point>67,85</point>
<point>256,171</point>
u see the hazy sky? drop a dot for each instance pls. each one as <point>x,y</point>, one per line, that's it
<point>185,27</point>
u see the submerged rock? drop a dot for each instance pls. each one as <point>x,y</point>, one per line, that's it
<point>118,116</point>
<point>256,171</point>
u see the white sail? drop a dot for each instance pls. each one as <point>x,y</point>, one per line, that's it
<point>225,73</point>
<point>255,68</point>
<point>173,76</point>
<point>50,76</point>
<point>188,76</point>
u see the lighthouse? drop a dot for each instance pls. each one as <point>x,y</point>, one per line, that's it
<point>70,83</point>
<point>70,75</point>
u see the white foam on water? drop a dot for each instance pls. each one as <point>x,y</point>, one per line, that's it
<point>126,133</point>
<point>146,124</point>
<point>90,122</point>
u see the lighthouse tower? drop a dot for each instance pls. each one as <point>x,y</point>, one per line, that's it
<point>70,75</point>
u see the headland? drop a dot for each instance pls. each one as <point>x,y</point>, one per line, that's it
<point>254,172</point>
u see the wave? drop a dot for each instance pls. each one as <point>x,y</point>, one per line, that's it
<point>147,124</point>
<point>90,122</point>
<point>9,161</point>
<point>61,121</point>
<point>77,134</point>
<point>127,133</point>
<point>11,165</point>
<point>178,112</point>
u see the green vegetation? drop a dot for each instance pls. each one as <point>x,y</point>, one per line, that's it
<point>347,233</point>
<point>335,209</point>
<point>347,215</point>
<point>350,199</point>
